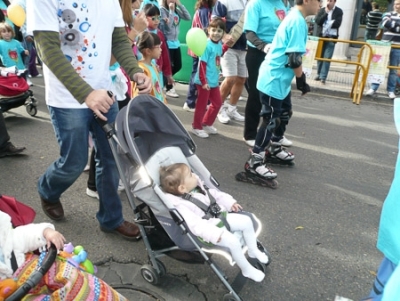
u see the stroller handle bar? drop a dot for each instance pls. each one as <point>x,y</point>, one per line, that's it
<point>36,276</point>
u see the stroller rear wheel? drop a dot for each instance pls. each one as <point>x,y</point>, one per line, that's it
<point>31,110</point>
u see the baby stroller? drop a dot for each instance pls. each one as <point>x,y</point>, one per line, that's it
<point>22,214</point>
<point>148,135</point>
<point>14,92</point>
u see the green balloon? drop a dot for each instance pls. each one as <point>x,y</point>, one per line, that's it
<point>196,40</point>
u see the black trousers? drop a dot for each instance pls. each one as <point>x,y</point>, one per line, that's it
<point>4,137</point>
<point>176,63</point>
<point>254,58</point>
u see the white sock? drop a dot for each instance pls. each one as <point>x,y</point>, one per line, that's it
<point>262,257</point>
<point>253,274</point>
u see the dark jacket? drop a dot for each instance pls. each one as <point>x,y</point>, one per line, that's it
<point>321,17</point>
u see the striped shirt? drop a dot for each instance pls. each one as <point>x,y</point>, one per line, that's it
<point>374,17</point>
<point>391,23</point>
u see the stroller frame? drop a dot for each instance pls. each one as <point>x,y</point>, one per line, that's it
<point>127,149</point>
<point>25,99</point>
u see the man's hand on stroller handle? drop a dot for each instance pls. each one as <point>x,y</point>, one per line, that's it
<point>99,101</point>
<point>55,237</point>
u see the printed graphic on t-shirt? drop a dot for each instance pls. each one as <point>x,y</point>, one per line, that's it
<point>13,54</point>
<point>280,13</point>
<point>176,20</point>
<point>78,48</point>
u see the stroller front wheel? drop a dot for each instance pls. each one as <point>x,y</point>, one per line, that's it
<point>150,274</point>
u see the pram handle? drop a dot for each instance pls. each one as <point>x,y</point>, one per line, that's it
<point>36,276</point>
<point>107,128</point>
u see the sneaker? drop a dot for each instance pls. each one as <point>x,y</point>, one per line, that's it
<point>209,129</point>
<point>172,93</point>
<point>121,186</point>
<point>256,166</point>
<point>285,142</point>
<point>11,150</point>
<point>392,95</point>
<point>92,193</point>
<point>232,113</point>
<point>200,133</point>
<point>223,116</point>
<point>370,92</point>
<point>249,142</point>
<point>28,81</point>
<point>39,75</point>
<point>187,108</point>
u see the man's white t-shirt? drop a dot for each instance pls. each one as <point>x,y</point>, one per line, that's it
<point>85,29</point>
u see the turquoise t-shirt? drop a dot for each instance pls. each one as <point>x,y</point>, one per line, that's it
<point>389,226</point>
<point>274,77</point>
<point>263,18</point>
<point>10,54</point>
<point>212,57</point>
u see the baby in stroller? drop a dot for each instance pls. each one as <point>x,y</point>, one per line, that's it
<point>63,281</point>
<point>211,215</point>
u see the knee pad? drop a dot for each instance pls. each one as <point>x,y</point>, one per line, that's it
<point>273,124</point>
<point>285,117</point>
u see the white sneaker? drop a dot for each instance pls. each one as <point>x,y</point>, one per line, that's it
<point>92,193</point>
<point>223,116</point>
<point>392,95</point>
<point>249,142</point>
<point>172,93</point>
<point>233,113</point>
<point>370,92</point>
<point>200,133</point>
<point>28,81</point>
<point>285,142</point>
<point>210,129</point>
<point>187,108</point>
<point>39,75</point>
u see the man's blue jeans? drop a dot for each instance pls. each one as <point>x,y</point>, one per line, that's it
<point>394,60</point>
<point>327,53</point>
<point>72,127</point>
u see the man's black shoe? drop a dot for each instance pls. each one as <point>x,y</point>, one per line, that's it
<point>11,150</point>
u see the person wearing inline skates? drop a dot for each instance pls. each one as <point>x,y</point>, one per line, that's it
<point>282,63</point>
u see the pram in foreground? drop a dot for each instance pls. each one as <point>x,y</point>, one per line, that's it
<point>149,135</point>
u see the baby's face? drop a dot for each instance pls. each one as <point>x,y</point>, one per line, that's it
<point>189,180</point>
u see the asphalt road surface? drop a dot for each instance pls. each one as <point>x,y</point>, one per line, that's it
<point>320,225</point>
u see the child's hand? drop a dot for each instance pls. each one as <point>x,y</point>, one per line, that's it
<point>26,52</point>
<point>171,6</point>
<point>236,207</point>
<point>55,237</point>
<point>206,87</point>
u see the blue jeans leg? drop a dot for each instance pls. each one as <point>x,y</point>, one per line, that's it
<point>72,128</point>
<point>192,93</point>
<point>394,60</point>
<point>327,53</point>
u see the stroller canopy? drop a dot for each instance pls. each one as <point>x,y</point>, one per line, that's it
<point>148,125</point>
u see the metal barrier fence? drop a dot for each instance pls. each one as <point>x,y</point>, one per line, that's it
<point>362,65</point>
